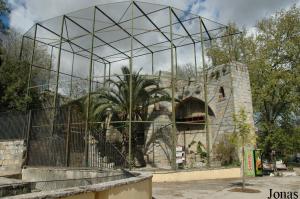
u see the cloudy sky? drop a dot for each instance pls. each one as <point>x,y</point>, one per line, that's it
<point>243,12</point>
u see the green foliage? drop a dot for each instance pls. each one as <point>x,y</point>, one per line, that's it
<point>113,102</point>
<point>226,150</point>
<point>243,133</point>
<point>272,54</point>
<point>14,72</point>
<point>283,142</point>
<point>200,151</point>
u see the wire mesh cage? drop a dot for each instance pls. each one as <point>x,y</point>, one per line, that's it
<point>134,73</point>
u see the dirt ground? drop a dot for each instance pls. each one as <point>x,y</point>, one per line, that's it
<point>215,189</point>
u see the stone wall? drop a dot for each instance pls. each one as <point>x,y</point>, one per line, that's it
<point>228,91</point>
<point>11,156</point>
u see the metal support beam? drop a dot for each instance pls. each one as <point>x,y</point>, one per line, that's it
<point>27,137</point>
<point>57,74</point>
<point>22,46</point>
<point>96,36</point>
<point>187,32</point>
<point>163,42</point>
<point>157,28</point>
<point>152,63</point>
<point>31,61</point>
<point>173,82</point>
<point>117,24</point>
<point>130,89</point>
<point>104,82</point>
<point>49,69</point>
<point>168,48</point>
<point>204,26</point>
<point>205,97</point>
<point>195,60</point>
<point>68,136</point>
<point>72,72</point>
<point>67,40</point>
<point>87,133</point>
<point>176,63</point>
<point>46,44</point>
<point>109,73</point>
<point>122,22</point>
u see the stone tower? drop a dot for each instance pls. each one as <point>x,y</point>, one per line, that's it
<point>228,91</point>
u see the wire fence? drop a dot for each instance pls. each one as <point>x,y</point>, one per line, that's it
<point>12,125</point>
<point>58,138</point>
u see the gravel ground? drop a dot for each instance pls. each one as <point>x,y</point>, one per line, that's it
<point>214,189</point>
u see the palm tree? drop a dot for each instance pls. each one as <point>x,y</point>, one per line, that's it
<point>112,103</point>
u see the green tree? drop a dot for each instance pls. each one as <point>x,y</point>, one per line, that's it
<point>243,135</point>
<point>14,72</point>
<point>112,103</point>
<point>273,58</point>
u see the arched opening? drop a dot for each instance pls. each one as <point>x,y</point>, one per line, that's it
<point>190,114</point>
<point>221,93</point>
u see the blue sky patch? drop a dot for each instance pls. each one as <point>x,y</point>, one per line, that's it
<point>5,21</point>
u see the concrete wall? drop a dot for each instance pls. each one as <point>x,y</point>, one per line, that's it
<point>197,175</point>
<point>137,187</point>
<point>57,178</point>
<point>11,154</point>
<point>140,190</point>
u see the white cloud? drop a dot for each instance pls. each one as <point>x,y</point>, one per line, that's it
<point>244,12</point>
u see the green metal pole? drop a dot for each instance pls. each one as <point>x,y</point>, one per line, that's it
<point>109,70</point>
<point>31,62</point>
<point>104,75</point>
<point>195,60</point>
<point>93,75</point>
<point>57,73</point>
<point>152,63</point>
<point>68,135</point>
<point>87,133</point>
<point>50,66</point>
<point>130,87</point>
<point>176,65</point>
<point>205,97</point>
<point>173,82</point>
<point>109,73</point>
<point>72,71</point>
<point>21,50</point>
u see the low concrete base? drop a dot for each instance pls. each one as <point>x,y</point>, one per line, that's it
<point>183,176</point>
<point>137,187</point>
<point>11,187</point>
<point>56,178</point>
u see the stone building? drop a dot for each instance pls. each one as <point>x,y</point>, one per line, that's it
<point>228,91</point>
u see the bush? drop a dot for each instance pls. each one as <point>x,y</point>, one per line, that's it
<point>226,151</point>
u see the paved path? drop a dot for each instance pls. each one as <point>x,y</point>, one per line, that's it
<point>214,189</point>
